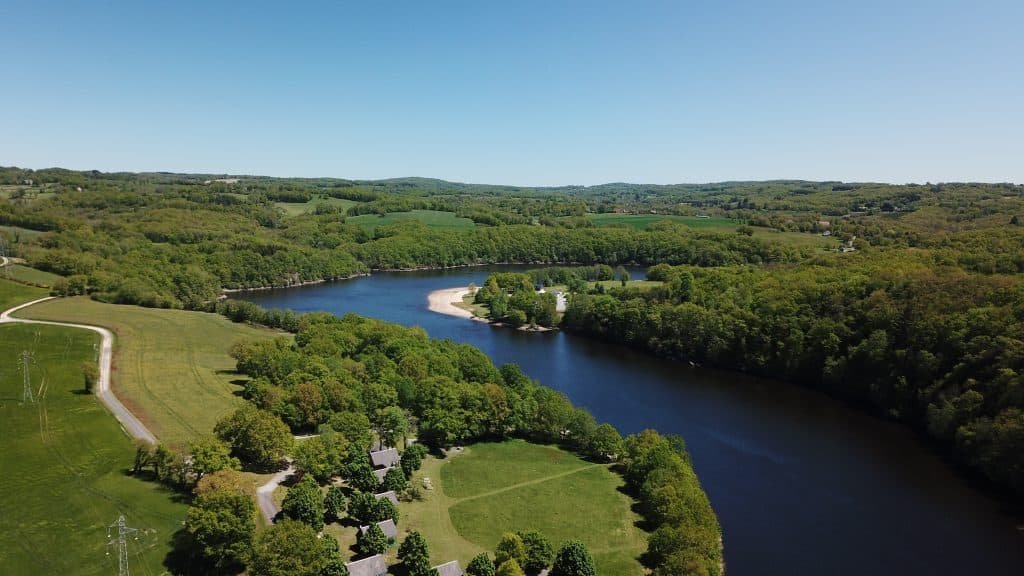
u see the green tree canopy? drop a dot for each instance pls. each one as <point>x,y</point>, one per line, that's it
<point>573,559</point>
<point>305,503</point>
<point>373,541</point>
<point>291,548</point>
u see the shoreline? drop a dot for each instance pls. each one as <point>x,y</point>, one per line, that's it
<point>443,302</point>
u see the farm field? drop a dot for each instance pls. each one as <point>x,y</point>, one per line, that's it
<point>493,488</point>
<point>64,463</point>
<point>432,218</point>
<point>171,367</point>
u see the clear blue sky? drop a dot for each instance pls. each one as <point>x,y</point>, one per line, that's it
<point>531,93</point>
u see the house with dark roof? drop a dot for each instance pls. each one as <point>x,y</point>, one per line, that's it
<point>372,566</point>
<point>387,527</point>
<point>385,458</point>
<point>449,569</point>
<point>390,495</point>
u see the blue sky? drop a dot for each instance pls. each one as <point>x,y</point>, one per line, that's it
<point>530,93</point>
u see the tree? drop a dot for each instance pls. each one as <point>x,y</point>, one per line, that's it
<point>334,503</point>
<point>414,555</point>
<point>383,509</point>
<point>573,559</point>
<point>211,455</point>
<point>394,424</point>
<point>161,461</point>
<point>511,547</point>
<point>362,507</point>
<point>291,548</point>
<point>305,503</point>
<point>539,552</point>
<point>362,478</point>
<point>257,438</point>
<point>412,459</point>
<point>143,457</point>
<point>373,541</point>
<point>222,524</point>
<point>480,565</point>
<point>510,568</point>
<point>606,442</point>
<point>355,427</point>
<point>320,456</point>
<point>395,480</point>
<point>90,375</point>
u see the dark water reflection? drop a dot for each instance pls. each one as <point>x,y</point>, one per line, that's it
<point>802,484</point>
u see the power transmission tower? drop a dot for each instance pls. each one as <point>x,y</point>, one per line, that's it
<point>121,541</point>
<point>26,392</point>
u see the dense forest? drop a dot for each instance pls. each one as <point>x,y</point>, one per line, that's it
<point>905,298</point>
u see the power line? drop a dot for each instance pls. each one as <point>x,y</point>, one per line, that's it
<point>121,541</point>
<point>26,392</point>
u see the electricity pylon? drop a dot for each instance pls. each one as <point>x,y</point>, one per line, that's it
<point>26,392</point>
<point>121,541</point>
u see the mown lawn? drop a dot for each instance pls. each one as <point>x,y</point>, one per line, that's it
<point>171,367</point>
<point>494,488</point>
<point>432,218</point>
<point>12,294</point>
<point>64,462</point>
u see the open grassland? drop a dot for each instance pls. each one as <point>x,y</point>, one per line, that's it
<point>12,294</point>
<point>495,488</point>
<point>16,232</point>
<point>64,462</point>
<point>171,367</point>
<point>27,275</point>
<point>432,218</point>
<point>298,208</point>
<point>644,221</point>
<point>798,239</point>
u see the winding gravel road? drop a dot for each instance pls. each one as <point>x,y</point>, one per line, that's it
<point>129,422</point>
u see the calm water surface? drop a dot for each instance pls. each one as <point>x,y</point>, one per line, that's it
<point>801,483</point>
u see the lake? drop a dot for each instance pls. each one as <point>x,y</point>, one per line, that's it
<point>802,483</point>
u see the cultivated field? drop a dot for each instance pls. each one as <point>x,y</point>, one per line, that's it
<point>494,488</point>
<point>171,367</point>
<point>64,462</point>
<point>432,218</point>
<point>298,208</point>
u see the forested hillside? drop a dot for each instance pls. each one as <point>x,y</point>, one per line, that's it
<point>907,299</point>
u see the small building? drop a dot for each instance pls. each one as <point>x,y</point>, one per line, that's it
<point>373,566</point>
<point>390,495</point>
<point>387,527</point>
<point>385,458</point>
<point>449,569</point>
<point>381,472</point>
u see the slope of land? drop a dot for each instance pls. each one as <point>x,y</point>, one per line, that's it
<point>171,367</point>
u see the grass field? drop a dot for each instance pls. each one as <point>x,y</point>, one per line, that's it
<point>432,218</point>
<point>12,294</point>
<point>27,275</point>
<point>63,463</point>
<point>496,488</point>
<point>644,221</point>
<point>298,208</point>
<point>13,232</point>
<point>171,367</point>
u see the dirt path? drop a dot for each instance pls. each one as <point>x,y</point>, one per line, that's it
<point>527,483</point>
<point>129,422</point>
<point>265,493</point>
<point>442,301</point>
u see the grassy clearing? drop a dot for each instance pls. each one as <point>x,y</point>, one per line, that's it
<point>171,367</point>
<point>27,275</point>
<point>496,488</point>
<point>644,221</point>
<point>16,232</point>
<point>432,218</point>
<point>800,239</point>
<point>63,468</point>
<point>299,208</point>
<point>12,294</point>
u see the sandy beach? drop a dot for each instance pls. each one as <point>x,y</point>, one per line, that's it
<point>442,301</point>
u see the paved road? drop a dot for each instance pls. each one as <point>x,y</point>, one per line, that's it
<point>129,422</point>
